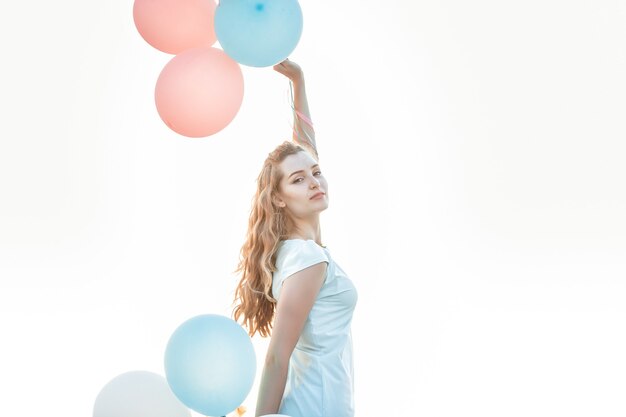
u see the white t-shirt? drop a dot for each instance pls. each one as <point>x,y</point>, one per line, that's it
<point>320,380</point>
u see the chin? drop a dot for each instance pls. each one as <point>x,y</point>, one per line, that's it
<point>320,208</point>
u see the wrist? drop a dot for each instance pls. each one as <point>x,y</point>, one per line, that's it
<point>298,79</point>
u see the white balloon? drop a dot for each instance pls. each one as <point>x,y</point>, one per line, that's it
<point>138,394</point>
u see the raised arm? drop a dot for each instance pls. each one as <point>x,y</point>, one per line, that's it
<point>303,132</point>
<point>297,297</point>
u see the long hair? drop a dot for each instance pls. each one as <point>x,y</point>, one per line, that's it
<point>267,226</point>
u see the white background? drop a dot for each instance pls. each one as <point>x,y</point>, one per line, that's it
<point>475,158</point>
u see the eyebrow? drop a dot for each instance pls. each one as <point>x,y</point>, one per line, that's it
<point>299,171</point>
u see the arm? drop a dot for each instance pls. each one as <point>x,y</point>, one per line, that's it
<point>296,300</point>
<point>303,132</point>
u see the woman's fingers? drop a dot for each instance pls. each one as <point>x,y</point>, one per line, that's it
<point>288,68</point>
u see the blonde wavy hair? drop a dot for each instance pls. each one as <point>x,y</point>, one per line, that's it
<point>267,226</point>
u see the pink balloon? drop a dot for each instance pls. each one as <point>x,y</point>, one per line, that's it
<point>173,26</point>
<point>199,92</point>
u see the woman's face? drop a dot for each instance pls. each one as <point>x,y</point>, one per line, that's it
<point>303,190</point>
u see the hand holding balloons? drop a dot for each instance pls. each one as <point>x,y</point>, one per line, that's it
<point>199,91</point>
<point>290,70</point>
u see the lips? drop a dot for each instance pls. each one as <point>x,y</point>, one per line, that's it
<point>317,195</point>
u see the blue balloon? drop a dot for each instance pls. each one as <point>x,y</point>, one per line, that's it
<point>210,364</point>
<point>258,33</point>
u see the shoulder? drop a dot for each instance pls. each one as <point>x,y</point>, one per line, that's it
<point>293,256</point>
<point>293,250</point>
<point>299,247</point>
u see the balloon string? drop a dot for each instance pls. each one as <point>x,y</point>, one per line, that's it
<point>296,117</point>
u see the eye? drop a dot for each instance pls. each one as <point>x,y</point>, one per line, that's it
<point>300,179</point>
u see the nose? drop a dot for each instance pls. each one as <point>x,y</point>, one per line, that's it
<point>314,183</point>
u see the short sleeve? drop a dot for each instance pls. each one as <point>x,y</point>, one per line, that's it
<point>294,256</point>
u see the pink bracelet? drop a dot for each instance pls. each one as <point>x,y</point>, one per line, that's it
<point>304,118</point>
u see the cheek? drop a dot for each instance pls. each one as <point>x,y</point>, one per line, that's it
<point>294,194</point>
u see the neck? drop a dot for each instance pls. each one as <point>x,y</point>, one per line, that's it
<point>306,229</point>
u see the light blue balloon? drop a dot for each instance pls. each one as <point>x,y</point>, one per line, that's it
<point>258,33</point>
<point>210,364</point>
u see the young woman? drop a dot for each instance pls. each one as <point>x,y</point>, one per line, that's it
<point>290,287</point>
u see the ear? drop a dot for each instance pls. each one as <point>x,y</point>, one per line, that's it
<point>280,203</point>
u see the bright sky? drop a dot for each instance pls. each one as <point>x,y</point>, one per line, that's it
<point>475,159</point>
